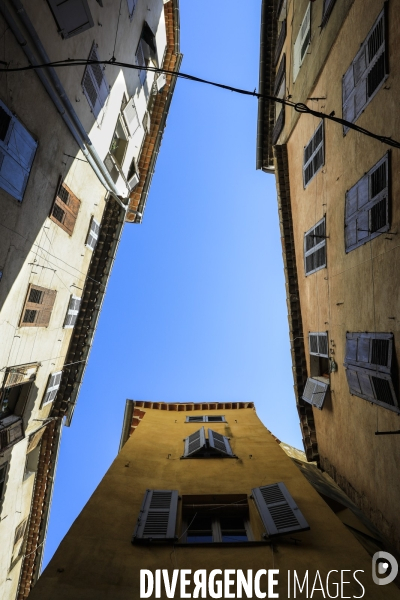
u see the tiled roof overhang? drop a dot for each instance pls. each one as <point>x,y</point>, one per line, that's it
<point>296,334</point>
<point>266,108</point>
<point>158,116</point>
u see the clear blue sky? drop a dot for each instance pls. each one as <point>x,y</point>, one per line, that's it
<point>195,310</point>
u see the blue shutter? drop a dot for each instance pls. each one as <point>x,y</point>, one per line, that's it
<point>94,83</point>
<point>72,16</point>
<point>278,511</point>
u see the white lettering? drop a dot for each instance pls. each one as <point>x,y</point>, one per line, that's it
<point>343,582</point>
<point>334,584</point>
<point>243,584</point>
<point>320,589</point>
<point>272,583</point>
<point>146,576</point>
<point>305,583</point>
<point>184,583</point>
<point>158,583</point>
<point>170,588</point>
<point>200,579</point>
<point>228,583</point>
<point>215,593</point>
<point>359,582</point>
<point>257,591</point>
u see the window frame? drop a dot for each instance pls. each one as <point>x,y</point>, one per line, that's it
<point>298,57</point>
<point>216,532</point>
<point>204,419</point>
<point>72,312</point>
<point>70,210</point>
<point>315,150</point>
<point>319,335</point>
<point>314,249</point>
<point>92,234</point>
<point>53,385</point>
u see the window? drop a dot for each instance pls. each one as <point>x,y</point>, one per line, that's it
<point>3,473</point>
<point>119,142</point>
<point>94,84</point>
<point>280,40</point>
<point>19,539</point>
<point>133,174</point>
<point>206,419</point>
<point>131,117</point>
<point>131,8</point>
<point>315,391</point>
<point>16,387</point>
<point>366,73</point>
<point>278,510</point>
<point>217,445</point>
<point>318,343</point>
<point>279,91</point>
<point>93,234</point>
<point>32,453</point>
<point>65,209</point>
<point>326,11</point>
<point>11,431</point>
<point>315,248</point>
<point>368,365</point>
<point>314,157</point>
<point>146,51</point>
<point>38,307</point>
<point>72,312</point>
<point>367,206</point>
<point>52,388</point>
<point>71,16</point>
<point>17,151</point>
<point>302,43</point>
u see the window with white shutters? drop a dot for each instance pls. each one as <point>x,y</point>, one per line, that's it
<point>367,206</point>
<point>314,155</point>
<point>368,365</point>
<point>206,419</point>
<point>17,151</point>
<point>315,248</point>
<point>302,42</point>
<point>157,517</point>
<point>131,117</point>
<point>72,312</point>
<point>93,234</point>
<point>220,443</point>
<point>367,72</point>
<point>315,391</point>
<point>94,84</point>
<point>318,344</point>
<point>71,16</point>
<point>196,445</point>
<point>278,510</point>
<point>38,307</point>
<point>52,388</point>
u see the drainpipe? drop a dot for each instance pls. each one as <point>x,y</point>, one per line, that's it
<point>94,160</point>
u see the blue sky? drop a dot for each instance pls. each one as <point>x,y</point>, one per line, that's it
<point>195,310</point>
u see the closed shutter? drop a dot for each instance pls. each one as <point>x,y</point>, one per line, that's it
<point>278,511</point>
<point>369,350</point>
<point>72,16</point>
<point>194,442</point>
<point>315,248</point>
<point>314,156</point>
<point>95,86</point>
<point>52,388</point>
<point>280,75</point>
<point>219,442</point>
<point>17,151</point>
<point>140,61</point>
<point>367,206</point>
<point>131,8</point>
<point>157,518</point>
<point>93,234</point>
<point>315,392</point>
<point>375,386</point>
<point>12,431</point>
<point>366,73</point>
<point>65,208</point>
<point>318,344</point>
<point>3,471</point>
<point>131,117</point>
<point>38,307</point>
<point>302,42</point>
<point>72,312</point>
<point>34,439</point>
<point>326,11</point>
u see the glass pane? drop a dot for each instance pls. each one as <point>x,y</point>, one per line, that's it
<point>233,529</point>
<point>199,530</point>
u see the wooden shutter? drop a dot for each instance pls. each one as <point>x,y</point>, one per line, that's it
<point>366,73</point>
<point>72,16</point>
<point>194,442</point>
<point>278,511</point>
<point>367,206</point>
<point>157,517</point>
<point>315,392</point>
<point>38,307</point>
<point>35,439</point>
<point>17,151</point>
<point>370,350</point>
<point>20,375</point>
<point>11,432</point>
<point>318,344</point>
<point>374,386</point>
<point>52,388</point>
<point>131,8</point>
<point>302,42</point>
<point>326,11</point>
<point>93,234</point>
<point>219,442</point>
<point>314,156</point>
<point>65,209</point>
<point>315,248</point>
<point>131,117</point>
<point>72,312</point>
<point>94,83</point>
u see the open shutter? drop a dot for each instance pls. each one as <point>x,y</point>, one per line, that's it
<point>65,208</point>
<point>43,317</point>
<point>219,442</point>
<point>157,518</point>
<point>302,42</point>
<point>38,306</point>
<point>95,86</point>
<point>131,117</point>
<point>315,392</point>
<point>72,16</point>
<point>72,312</point>
<point>194,442</point>
<point>52,388</point>
<point>314,155</point>
<point>315,248</point>
<point>318,344</point>
<point>374,386</point>
<point>131,8</point>
<point>278,510</point>
<point>369,350</point>
<point>35,439</point>
<point>11,431</point>
<point>93,234</point>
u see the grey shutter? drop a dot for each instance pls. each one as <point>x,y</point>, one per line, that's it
<point>131,117</point>
<point>315,392</point>
<point>157,517</point>
<point>318,344</point>
<point>140,61</point>
<point>131,8</point>
<point>372,385</point>
<point>369,350</point>
<point>326,11</point>
<point>72,16</point>
<point>93,234</point>
<point>52,388</point>
<point>314,156</point>
<point>17,151</point>
<point>278,511</point>
<point>315,248</point>
<point>94,83</point>
<point>194,442</point>
<point>302,42</point>
<point>72,312</point>
<point>219,442</point>
<point>367,206</point>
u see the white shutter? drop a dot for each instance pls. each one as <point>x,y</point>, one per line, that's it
<point>315,392</point>
<point>220,443</point>
<point>278,510</point>
<point>72,312</point>
<point>94,84</point>
<point>302,42</point>
<point>93,234</point>
<point>194,443</point>
<point>146,122</point>
<point>72,16</point>
<point>315,248</point>
<point>52,388</point>
<point>318,344</point>
<point>314,156</point>
<point>161,81</point>
<point>131,117</point>
<point>157,517</point>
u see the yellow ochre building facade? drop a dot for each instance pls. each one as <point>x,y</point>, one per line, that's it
<point>190,491</point>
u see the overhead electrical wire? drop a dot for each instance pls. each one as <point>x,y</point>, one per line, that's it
<point>297,106</point>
